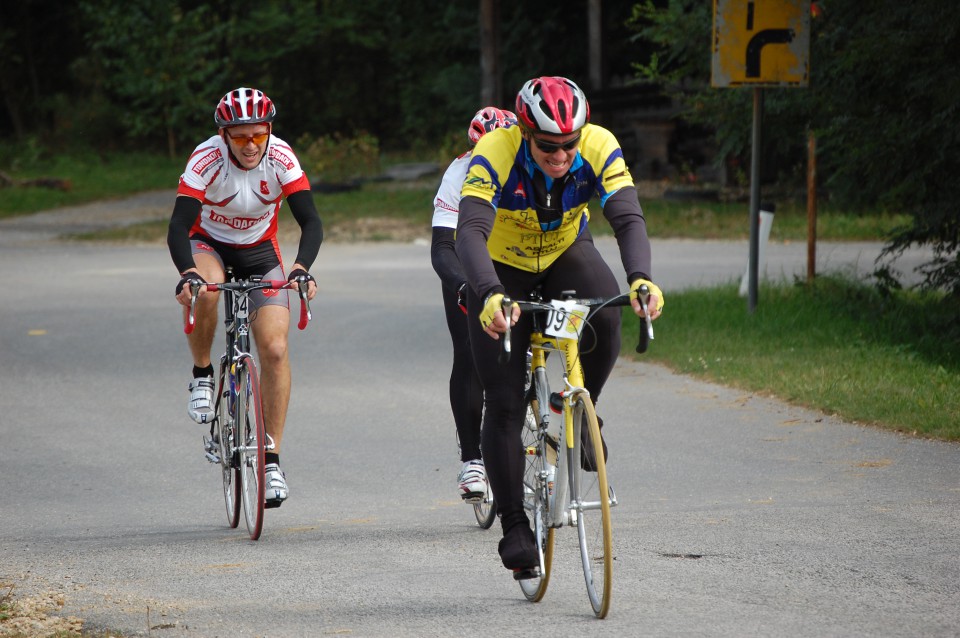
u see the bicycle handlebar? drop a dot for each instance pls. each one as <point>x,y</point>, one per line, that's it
<point>246,287</point>
<point>594,303</point>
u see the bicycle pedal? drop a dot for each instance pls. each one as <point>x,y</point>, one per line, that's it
<point>611,495</point>
<point>526,574</point>
<point>210,450</point>
<point>269,505</point>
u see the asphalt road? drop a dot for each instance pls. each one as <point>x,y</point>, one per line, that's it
<point>738,515</point>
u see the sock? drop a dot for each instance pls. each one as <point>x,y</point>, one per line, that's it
<point>203,372</point>
<point>270,457</point>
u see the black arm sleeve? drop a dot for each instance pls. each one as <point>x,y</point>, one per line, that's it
<point>311,228</point>
<point>443,256</point>
<point>185,211</point>
<point>473,228</point>
<point>623,211</point>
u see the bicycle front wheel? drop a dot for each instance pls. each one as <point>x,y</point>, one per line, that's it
<point>535,494</point>
<point>249,429</point>
<point>590,500</point>
<point>229,466</point>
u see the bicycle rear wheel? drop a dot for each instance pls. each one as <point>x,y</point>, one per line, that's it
<point>535,493</point>
<point>228,460</point>
<point>589,496</point>
<point>486,510</point>
<point>251,435</point>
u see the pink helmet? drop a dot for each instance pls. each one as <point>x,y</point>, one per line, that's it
<point>487,119</point>
<point>552,105</point>
<point>244,106</point>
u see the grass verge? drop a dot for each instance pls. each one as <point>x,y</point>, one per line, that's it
<point>91,178</point>
<point>839,346</point>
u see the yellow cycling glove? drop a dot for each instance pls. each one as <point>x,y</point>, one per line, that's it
<point>652,287</point>
<point>493,303</point>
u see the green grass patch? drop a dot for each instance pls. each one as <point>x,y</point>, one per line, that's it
<point>411,201</point>
<point>91,178</point>
<point>731,220</point>
<point>839,346</point>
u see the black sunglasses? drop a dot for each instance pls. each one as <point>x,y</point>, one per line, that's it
<point>550,147</point>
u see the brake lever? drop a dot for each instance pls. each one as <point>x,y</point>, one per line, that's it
<point>191,315</point>
<point>506,307</point>
<point>303,285</point>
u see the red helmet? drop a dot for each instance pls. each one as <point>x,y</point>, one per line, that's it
<point>552,105</point>
<point>244,106</point>
<point>487,119</point>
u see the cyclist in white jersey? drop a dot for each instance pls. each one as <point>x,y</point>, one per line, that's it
<point>466,392</point>
<point>226,214</point>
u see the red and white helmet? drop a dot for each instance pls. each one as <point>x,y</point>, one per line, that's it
<point>552,105</point>
<point>244,106</point>
<point>487,119</point>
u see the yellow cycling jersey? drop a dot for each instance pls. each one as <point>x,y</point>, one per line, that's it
<point>501,172</point>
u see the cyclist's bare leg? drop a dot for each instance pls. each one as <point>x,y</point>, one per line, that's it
<point>270,329</point>
<point>201,339</point>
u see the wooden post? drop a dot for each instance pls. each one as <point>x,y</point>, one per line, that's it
<point>490,85</point>
<point>811,206</point>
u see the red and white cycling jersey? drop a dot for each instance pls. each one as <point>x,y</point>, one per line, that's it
<point>446,205</point>
<point>240,206</point>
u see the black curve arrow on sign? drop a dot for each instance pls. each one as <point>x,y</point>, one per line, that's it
<point>760,40</point>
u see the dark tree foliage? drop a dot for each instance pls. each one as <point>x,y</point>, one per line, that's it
<point>881,101</point>
<point>148,72</point>
<point>40,92</point>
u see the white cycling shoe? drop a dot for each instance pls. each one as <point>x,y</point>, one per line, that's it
<point>472,481</point>
<point>275,486</point>
<point>200,407</point>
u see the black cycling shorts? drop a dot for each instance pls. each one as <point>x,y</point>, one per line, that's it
<point>260,259</point>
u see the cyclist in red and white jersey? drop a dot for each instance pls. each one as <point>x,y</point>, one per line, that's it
<point>226,214</point>
<point>466,392</point>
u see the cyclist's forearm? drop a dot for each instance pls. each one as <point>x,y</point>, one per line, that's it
<point>473,229</point>
<point>311,228</point>
<point>622,210</point>
<point>185,211</point>
<point>443,257</point>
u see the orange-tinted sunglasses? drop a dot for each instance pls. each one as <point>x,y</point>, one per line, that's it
<point>243,140</point>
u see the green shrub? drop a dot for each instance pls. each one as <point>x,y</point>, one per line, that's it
<point>337,160</point>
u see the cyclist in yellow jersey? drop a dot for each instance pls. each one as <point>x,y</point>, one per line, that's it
<point>523,223</point>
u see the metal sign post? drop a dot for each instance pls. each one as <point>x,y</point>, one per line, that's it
<point>759,43</point>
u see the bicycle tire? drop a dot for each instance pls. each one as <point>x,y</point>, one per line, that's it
<point>535,495</point>
<point>251,444</point>
<point>589,496</point>
<point>228,460</point>
<point>486,510</point>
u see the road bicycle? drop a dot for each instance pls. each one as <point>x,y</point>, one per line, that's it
<point>237,440</point>
<point>558,491</point>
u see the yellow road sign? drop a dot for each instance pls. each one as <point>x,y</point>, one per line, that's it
<point>761,43</point>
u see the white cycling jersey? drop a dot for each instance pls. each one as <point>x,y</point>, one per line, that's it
<point>446,205</point>
<point>240,206</point>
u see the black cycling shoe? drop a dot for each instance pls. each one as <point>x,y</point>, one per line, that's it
<point>588,460</point>
<point>518,550</point>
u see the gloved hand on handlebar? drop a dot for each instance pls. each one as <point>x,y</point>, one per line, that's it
<point>297,273</point>
<point>187,278</point>
<point>492,324</point>
<point>654,303</point>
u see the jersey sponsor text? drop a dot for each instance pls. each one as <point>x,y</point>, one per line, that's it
<point>206,161</point>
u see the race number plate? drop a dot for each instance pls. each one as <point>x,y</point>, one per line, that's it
<point>566,319</point>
